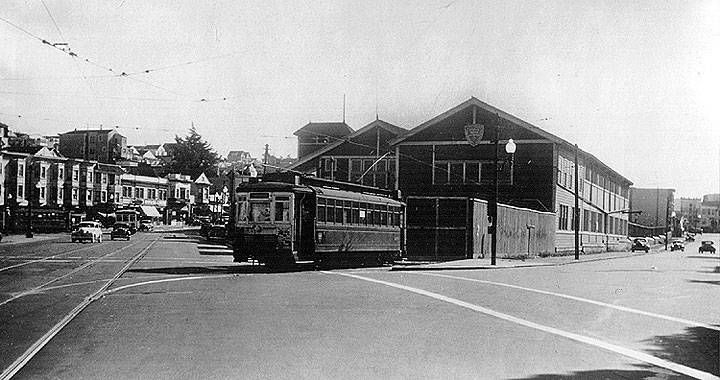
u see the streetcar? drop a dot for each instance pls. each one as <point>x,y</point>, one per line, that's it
<point>321,222</point>
<point>131,217</point>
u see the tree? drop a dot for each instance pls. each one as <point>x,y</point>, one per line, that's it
<point>192,155</point>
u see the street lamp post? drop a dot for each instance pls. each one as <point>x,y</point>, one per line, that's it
<point>510,148</point>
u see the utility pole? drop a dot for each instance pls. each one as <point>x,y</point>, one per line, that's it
<point>667,217</point>
<point>266,159</point>
<point>29,190</point>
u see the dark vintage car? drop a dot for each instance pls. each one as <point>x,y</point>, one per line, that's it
<point>216,231</point>
<point>677,245</point>
<point>640,244</point>
<point>146,225</point>
<point>706,246</point>
<point>120,231</point>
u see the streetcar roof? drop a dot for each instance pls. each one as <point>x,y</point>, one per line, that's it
<point>272,186</point>
<point>354,196</point>
<point>328,192</point>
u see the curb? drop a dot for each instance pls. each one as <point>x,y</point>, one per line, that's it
<point>480,267</point>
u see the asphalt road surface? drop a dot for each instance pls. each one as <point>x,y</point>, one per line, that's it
<point>164,307</point>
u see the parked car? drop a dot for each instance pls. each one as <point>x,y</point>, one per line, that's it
<point>706,246</point>
<point>640,244</point>
<point>120,231</point>
<point>216,231</point>
<point>90,231</point>
<point>146,225</point>
<point>677,245</point>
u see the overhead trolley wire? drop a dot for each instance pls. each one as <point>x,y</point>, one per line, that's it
<point>122,74</point>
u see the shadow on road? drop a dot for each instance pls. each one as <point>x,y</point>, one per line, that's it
<point>243,268</point>
<point>696,348</point>
<point>602,374</point>
<point>705,282</point>
<point>703,257</point>
<point>221,269</point>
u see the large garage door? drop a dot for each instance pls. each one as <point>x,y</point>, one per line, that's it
<point>437,228</point>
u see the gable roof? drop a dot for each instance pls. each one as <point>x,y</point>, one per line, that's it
<point>83,131</point>
<point>473,101</point>
<point>334,129</point>
<point>394,129</point>
<point>202,179</point>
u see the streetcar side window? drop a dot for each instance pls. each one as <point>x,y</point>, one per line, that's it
<point>347,211</point>
<point>356,213</point>
<point>282,209</point>
<point>331,211</point>
<point>384,215</point>
<point>321,209</point>
<point>339,212</point>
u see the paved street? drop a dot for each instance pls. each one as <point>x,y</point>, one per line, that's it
<point>179,308</point>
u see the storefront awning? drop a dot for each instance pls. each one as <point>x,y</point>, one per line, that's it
<point>150,211</point>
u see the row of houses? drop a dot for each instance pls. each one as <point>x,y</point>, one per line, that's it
<point>62,190</point>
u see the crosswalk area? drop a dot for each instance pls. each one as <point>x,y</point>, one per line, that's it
<point>214,249</point>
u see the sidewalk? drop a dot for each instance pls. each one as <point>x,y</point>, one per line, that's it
<point>21,239</point>
<point>176,228</point>
<point>503,263</point>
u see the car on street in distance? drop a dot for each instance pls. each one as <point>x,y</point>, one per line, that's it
<point>706,246</point>
<point>640,244</point>
<point>146,225</point>
<point>120,231</point>
<point>216,231</point>
<point>90,231</point>
<point>677,245</point>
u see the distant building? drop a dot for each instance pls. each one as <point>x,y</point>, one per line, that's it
<point>363,156</point>
<point>315,136</point>
<point>710,213</point>
<point>102,145</point>
<point>239,156</point>
<point>4,135</point>
<point>652,211</point>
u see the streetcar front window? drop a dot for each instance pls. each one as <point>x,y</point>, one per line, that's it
<point>260,211</point>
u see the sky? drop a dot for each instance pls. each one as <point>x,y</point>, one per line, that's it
<point>636,83</point>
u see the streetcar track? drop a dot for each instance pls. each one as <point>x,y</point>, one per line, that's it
<point>38,288</point>
<point>20,362</point>
<point>7,258</point>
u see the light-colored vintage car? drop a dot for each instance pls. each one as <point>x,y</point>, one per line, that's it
<point>90,231</point>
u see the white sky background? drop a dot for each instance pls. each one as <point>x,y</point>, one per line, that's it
<point>636,83</point>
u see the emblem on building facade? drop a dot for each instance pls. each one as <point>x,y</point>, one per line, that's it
<point>474,133</point>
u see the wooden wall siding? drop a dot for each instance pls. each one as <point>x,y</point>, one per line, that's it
<point>590,241</point>
<point>363,145</point>
<point>513,232</point>
<point>415,168</point>
<point>453,128</point>
<point>456,228</point>
<point>533,185</point>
